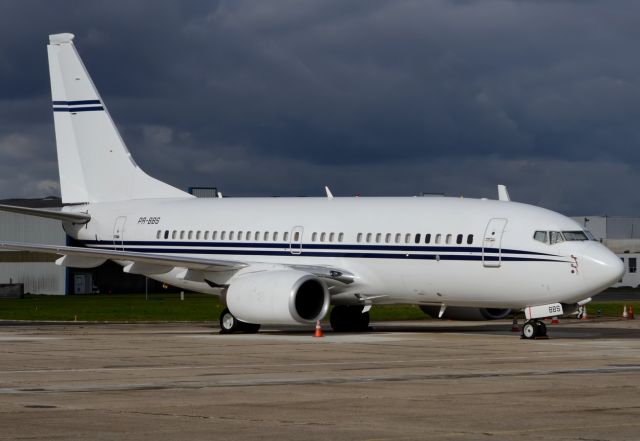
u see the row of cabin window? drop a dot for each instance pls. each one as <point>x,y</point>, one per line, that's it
<point>417,238</point>
<point>327,237</point>
<point>225,235</point>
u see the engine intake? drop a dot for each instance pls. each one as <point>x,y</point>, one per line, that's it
<point>278,297</point>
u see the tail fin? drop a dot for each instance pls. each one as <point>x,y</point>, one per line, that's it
<point>94,162</point>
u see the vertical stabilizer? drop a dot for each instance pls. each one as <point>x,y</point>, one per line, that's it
<point>94,162</point>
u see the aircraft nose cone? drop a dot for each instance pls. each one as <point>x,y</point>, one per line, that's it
<point>602,268</point>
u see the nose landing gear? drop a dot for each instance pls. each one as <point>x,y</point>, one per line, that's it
<point>534,329</point>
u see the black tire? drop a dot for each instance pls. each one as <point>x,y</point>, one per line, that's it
<point>250,328</point>
<point>228,323</point>
<point>541,329</point>
<point>529,330</point>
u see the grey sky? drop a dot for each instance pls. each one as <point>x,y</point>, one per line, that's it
<point>371,97</point>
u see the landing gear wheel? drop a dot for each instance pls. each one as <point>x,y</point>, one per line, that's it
<point>229,324</point>
<point>348,318</point>
<point>533,329</point>
<point>529,330</point>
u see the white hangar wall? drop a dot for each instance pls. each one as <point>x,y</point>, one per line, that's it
<point>36,271</point>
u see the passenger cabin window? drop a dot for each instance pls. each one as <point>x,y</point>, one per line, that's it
<point>459,239</point>
<point>296,236</point>
<point>322,237</point>
<point>190,234</point>
<point>174,234</point>
<point>407,238</point>
<point>417,238</point>
<point>397,237</point>
<point>206,235</point>
<point>166,234</point>
<point>256,236</point>
<point>231,235</point>
<point>438,237</point>
<point>340,237</point>
<point>314,236</point>
<point>449,238</point>
<point>387,238</point>
<point>214,235</point>
<point>359,238</point>
<point>470,239</point>
<point>368,237</point>
<point>158,234</point>
<point>181,234</point>
<point>265,236</point>
<point>223,235</point>
<point>378,237</point>
<point>275,236</point>
<point>331,236</point>
<point>427,238</point>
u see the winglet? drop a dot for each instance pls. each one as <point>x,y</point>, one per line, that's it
<point>503,193</point>
<point>329,194</point>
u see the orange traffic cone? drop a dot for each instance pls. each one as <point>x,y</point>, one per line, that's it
<point>555,321</point>
<point>319,332</point>
<point>625,314</point>
<point>631,316</point>
<point>514,325</point>
<point>585,315</point>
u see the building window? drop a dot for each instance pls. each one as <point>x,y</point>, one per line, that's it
<point>632,264</point>
<point>470,239</point>
<point>459,239</point>
<point>427,238</point>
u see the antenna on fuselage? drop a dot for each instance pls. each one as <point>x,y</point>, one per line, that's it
<point>503,193</point>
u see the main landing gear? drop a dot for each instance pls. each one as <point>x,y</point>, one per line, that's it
<point>229,324</point>
<point>349,318</point>
<point>534,329</point>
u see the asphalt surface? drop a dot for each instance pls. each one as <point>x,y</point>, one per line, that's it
<point>403,381</point>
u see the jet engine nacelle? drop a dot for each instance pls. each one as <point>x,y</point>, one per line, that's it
<point>464,313</point>
<point>278,297</point>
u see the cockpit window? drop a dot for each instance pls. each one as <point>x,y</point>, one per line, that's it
<point>555,237</point>
<point>540,236</point>
<point>575,235</point>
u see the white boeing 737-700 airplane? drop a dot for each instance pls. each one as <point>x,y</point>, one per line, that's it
<point>286,260</point>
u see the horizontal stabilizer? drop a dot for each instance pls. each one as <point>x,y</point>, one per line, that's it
<point>76,218</point>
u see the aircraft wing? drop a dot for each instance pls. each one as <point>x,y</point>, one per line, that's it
<point>78,218</point>
<point>149,263</point>
<point>94,257</point>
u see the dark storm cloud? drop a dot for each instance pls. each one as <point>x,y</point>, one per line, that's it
<point>373,97</point>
